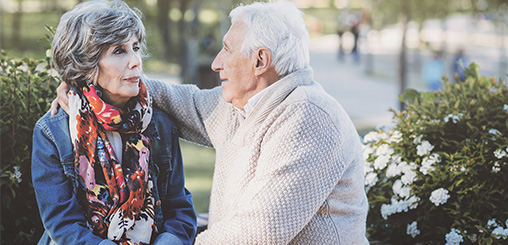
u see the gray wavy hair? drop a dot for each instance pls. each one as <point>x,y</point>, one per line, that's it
<point>86,31</point>
<point>278,26</point>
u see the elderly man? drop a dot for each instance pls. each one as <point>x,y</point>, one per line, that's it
<point>289,166</point>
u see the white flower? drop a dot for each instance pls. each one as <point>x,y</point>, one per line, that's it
<point>412,229</point>
<point>397,185</point>
<point>398,206</point>
<point>17,174</point>
<point>381,162</point>
<point>370,137</point>
<point>496,168</point>
<point>439,196</point>
<point>374,137</point>
<point>367,151</point>
<point>499,232</point>
<point>408,177</point>
<point>428,162</point>
<point>371,179</point>
<point>499,153</point>
<point>505,107</point>
<point>424,148</point>
<point>492,223</point>
<point>406,168</point>
<point>367,168</point>
<point>454,118</point>
<point>418,140</point>
<point>454,237</point>
<point>494,131</point>
<point>396,158</point>
<point>395,137</point>
<point>385,150</point>
<point>392,170</point>
<point>399,189</point>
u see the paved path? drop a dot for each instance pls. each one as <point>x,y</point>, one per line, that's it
<point>367,99</point>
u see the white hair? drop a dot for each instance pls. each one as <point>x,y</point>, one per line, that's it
<point>279,27</point>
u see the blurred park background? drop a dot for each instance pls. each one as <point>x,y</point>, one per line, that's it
<point>364,52</point>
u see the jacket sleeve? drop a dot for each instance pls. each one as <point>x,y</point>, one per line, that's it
<point>59,209</point>
<point>302,158</point>
<point>178,210</point>
<point>193,110</point>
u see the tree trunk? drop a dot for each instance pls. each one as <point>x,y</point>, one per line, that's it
<point>369,60</point>
<point>16,24</point>
<point>503,62</point>
<point>403,49</point>
<point>191,71</point>
<point>163,7</point>
<point>182,40</point>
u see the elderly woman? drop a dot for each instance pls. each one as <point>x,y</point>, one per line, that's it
<point>111,171</point>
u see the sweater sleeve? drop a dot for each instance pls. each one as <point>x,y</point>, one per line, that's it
<point>302,158</point>
<point>191,108</point>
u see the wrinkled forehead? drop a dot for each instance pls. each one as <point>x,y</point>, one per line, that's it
<point>236,32</point>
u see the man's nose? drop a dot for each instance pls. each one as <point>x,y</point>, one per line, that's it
<point>217,63</point>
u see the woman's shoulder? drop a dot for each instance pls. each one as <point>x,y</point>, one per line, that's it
<point>47,120</point>
<point>161,117</point>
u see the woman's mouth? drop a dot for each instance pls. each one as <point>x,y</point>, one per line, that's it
<point>132,79</point>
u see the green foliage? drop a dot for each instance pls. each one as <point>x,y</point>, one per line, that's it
<point>444,166</point>
<point>27,89</point>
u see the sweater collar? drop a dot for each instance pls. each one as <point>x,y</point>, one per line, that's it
<point>272,98</point>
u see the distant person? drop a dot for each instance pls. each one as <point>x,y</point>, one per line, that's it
<point>289,164</point>
<point>342,27</point>
<point>355,30</point>
<point>111,171</point>
<point>433,71</point>
<point>458,63</point>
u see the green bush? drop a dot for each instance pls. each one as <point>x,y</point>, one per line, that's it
<point>27,89</point>
<point>440,175</point>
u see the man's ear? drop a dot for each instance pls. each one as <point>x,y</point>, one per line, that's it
<point>263,61</point>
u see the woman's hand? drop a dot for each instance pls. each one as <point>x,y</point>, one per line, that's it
<point>62,99</point>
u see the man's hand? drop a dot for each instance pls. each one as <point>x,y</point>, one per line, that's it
<point>62,99</point>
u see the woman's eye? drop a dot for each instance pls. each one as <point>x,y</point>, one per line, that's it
<point>118,51</point>
<point>136,48</point>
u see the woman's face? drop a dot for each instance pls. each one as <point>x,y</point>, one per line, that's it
<point>120,69</point>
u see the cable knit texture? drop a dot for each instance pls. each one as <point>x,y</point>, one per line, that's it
<point>290,173</point>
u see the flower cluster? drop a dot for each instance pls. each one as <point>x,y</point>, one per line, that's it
<point>412,229</point>
<point>454,118</point>
<point>445,149</point>
<point>16,175</point>
<point>454,237</point>
<point>439,196</point>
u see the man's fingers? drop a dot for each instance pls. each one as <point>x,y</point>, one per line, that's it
<point>63,98</point>
<point>54,107</point>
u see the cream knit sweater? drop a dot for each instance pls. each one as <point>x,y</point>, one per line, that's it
<point>290,173</point>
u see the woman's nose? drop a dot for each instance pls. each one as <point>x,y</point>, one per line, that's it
<point>135,60</point>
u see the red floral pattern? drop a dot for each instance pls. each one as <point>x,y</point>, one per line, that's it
<point>113,195</point>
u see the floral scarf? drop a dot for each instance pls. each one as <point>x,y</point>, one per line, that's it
<point>116,198</point>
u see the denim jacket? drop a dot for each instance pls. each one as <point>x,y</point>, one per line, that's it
<point>53,177</point>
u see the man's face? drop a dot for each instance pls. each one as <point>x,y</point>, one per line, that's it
<point>235,70</point>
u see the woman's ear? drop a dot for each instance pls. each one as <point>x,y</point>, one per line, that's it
<point>263,61</point>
